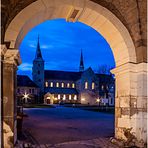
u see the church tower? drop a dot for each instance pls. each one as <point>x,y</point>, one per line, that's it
<point>81,67</point>
<point>38,68</point>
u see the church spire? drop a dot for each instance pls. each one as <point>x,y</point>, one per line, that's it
<point>38,50</point>
<point>81,67</point>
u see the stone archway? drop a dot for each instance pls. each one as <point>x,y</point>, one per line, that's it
<point>131,97</point>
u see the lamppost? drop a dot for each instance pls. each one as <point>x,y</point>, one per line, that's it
<point>25,97</point>
<point>98,101</point>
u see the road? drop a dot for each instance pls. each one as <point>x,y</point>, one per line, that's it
<point>61,124</point>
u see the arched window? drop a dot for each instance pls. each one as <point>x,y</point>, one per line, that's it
<point>73,85</point>
<point>75,97</point>
<point>46,84</point>
<point>86,85</point>
<point>69,97</point>
<point>57,84</point>
<point>68,85</point>
<point>64,97</point>
<point>62,85</point>
<point>51,84</point>
<point>58,96</point>
<point>93,85</point>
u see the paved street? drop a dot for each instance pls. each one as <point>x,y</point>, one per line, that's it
<point>61,124</point>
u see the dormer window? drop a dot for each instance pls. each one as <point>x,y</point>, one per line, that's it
<point>86,85</point>
<point>93,85</point>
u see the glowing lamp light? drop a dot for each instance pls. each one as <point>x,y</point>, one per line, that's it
<point>55,99</point>
<point>25,96</point>
<point>98,100</point>
<point>83,99</point>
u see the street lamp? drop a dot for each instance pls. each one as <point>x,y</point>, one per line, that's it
<point>25,96</point>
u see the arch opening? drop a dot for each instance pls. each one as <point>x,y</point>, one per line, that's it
<point>102,20</point>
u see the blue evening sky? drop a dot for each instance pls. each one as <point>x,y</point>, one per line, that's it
<point>61,43</point>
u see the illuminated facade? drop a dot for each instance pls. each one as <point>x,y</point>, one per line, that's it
<point>27,91</point>
<point>71,87</point>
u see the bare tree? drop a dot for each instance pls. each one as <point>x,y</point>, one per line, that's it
<point>104,69</point>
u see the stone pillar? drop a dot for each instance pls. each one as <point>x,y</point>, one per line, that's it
<point>10,62</point>
<point>131,100</point>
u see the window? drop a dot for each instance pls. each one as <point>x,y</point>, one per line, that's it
<point>64,97</point>
<point>51,84</point>
<point>93,85</point>
<point>86,85</point>
<point>39,80</point>
<point>38,72</point>
<point>69,97</point>
<point>68,85</point>
<point>29,90</point>
<point>59,97</point>
<point>46,84</point>
<point>75,97</point>
<point>102,87</point>
<point>57,84</point>
<point>62,85</point>
<point>73,85</point>
<point>39,65</point>
<point>33,91</point>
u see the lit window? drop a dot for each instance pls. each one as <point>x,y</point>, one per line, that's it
<point>57,84</point>
<point>86,85</point>
<point>64,97</point>
<point>58,97</point>
<point>69,97</point>
<point>68,85</point>
<point>51,84</point>
<point>102,87</point>
<point>93,85</point>
<point>62,84</point>
<point>73,85</point>
<point>46,84</point>
<point>75,97</point>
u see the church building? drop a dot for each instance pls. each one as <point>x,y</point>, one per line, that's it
<point>69,87</point>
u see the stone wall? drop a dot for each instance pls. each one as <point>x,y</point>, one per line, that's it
<point>132,13</point>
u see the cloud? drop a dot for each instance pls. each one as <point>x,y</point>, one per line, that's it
<point>25,67</point>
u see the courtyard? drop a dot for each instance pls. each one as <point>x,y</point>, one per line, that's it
<point>67,124</point>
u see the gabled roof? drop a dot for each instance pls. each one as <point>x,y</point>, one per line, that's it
<point>55,90</point>
<point>61,75</point>
<point>25,81</point>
